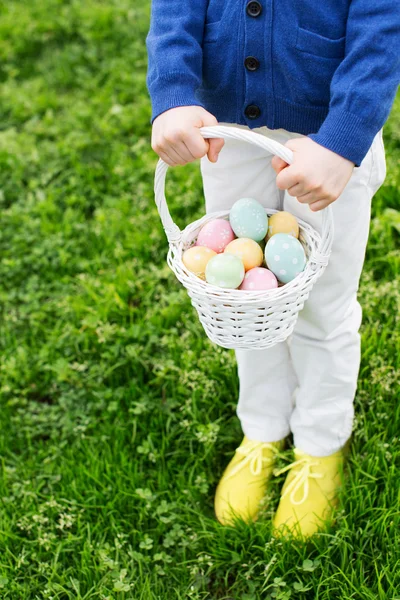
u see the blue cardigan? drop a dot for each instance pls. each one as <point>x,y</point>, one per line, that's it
<point>324,68</point>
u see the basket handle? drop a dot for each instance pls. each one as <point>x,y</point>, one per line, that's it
<point>271,146</point>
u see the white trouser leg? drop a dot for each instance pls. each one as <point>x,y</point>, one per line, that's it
<point>267,382</point>
<point>267,379</point>
<point>325,347</point>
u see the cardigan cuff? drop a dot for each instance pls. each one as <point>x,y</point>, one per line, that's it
<point>172,91</point>
<point>346,134</point>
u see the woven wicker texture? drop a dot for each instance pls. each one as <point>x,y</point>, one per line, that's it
<point>236,318</point>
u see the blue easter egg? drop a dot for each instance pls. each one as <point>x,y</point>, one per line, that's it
<point>248,219</point>
<point>285,256</point>
<point>225,270</point>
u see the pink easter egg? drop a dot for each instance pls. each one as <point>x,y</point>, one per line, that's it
<point>216,234</point>
<point>259,279</point>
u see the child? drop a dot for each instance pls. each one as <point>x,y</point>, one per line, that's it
<point>319,77</point>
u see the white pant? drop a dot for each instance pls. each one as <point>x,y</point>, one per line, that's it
<point>307,384</point>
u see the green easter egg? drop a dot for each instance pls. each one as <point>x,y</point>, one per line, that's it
<point>225,270</point>
<point>249,219</point>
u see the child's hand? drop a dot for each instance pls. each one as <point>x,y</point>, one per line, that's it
<point>317,175</point>
<point>176,137</point>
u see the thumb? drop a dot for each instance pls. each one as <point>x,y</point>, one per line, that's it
<point>214,145</point>
<point>278,164</point>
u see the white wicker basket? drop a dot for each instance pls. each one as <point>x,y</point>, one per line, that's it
<point>236,318</point>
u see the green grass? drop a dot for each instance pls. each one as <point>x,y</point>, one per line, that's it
<point>117,415</point>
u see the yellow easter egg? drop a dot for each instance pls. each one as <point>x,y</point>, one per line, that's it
<point>248,251</point>
<point>282,222</point>
<point>196,258</point>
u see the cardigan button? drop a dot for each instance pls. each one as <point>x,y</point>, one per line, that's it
<point>251,63</point>
<point>254,9</point>
<point>252,111</point>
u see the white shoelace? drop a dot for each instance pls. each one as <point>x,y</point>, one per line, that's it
<point>253,456</point>
<point>301,479</point>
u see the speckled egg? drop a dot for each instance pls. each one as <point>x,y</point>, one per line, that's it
<point>283,222</point>
<point>249,219</point>
<point>248,251</point>
<point>285,256</point>
<point>216,235</point>
<point>225,270</point>
<point>196,258</point>
<point>259,279</point>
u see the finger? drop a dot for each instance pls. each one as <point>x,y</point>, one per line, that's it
<point>320,204</point>
<point>215,147</point>
<point>175,155</point>
<point>184,152</point>
<point>165,151</point>
<point>308,197</point>
<point>166,158</point>
<point>287,178</point>
<point>196,144</point>
<point>278,164</point>
<point>209,120</point>
<point>297,190</point>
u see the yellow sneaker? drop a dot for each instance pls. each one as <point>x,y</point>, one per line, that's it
<point>244,481</point>
<point>309,494</point>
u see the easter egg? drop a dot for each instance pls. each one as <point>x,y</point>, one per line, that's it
<point>259,279</point>
<point>285,256</point>
<point>225,270</point>
<point>216,235</point>
<point>283,222</point>
<point>248,251</point>
<point>196,258</point>
<point>249,219</point>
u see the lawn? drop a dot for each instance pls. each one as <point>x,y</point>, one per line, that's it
<point>117,415</point>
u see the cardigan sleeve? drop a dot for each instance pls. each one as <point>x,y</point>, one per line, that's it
<point>174,46</point>
<point>364,85</point>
